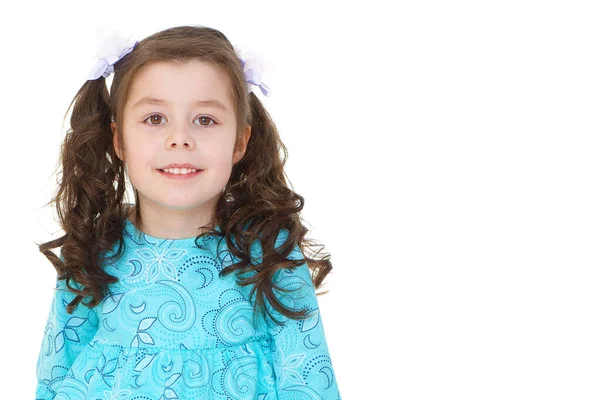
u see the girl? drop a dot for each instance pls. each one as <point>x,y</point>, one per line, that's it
<point>200,289</point>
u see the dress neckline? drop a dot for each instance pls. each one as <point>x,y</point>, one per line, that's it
<point>143,238</point>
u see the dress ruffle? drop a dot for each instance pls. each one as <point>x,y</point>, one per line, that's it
<point>108,371</point>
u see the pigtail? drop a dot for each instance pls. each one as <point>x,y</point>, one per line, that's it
<point>258,204</point>
<point>87,203</point>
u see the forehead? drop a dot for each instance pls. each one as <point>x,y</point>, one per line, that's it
<point>181,83</point>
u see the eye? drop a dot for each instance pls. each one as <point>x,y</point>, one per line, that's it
<point>158,117</point>
<point>204,117</point>
<point>154,118</point>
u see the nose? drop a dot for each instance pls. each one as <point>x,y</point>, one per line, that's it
<point>180,143</point>
<point>181,136</point>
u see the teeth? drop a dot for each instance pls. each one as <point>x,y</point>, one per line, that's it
<point>178,170</point>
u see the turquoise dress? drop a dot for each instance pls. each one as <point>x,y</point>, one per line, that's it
<point>171,328</point>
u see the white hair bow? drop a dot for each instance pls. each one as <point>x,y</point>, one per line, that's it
<point>114,47</point>
<point>111,50</point>
<point>253,69</point>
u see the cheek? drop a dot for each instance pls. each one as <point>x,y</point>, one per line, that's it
<point>221,166</point>
<point>141,156</point>
<point>219,152</point>
<point>140,161</point>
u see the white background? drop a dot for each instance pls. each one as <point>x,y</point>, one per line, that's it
<point>448,156</point>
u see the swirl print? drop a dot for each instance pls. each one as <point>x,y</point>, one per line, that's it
<point>171,328</point>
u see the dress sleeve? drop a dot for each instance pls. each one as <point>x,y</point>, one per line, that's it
<point>301,361</point>
<point>65,336</point>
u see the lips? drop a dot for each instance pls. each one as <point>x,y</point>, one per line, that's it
<point>187,165</point>
<point>180,176</point>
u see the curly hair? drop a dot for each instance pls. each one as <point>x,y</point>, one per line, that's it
<point>255,203</point>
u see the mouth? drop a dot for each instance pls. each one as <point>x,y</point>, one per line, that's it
<point>179,173</point>
<point>179,170</point>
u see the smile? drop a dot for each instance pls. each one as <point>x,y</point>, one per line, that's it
<point>180,173</point>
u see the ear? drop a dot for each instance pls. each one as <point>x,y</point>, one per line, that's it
<point>117,147</point>
<point>241,144</point>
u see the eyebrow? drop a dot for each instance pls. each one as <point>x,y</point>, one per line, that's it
<point>206,103</point>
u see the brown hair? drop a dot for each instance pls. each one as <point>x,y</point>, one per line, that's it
<point>256,201</point>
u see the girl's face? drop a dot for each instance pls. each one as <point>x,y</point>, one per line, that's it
<point>181,114</point>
